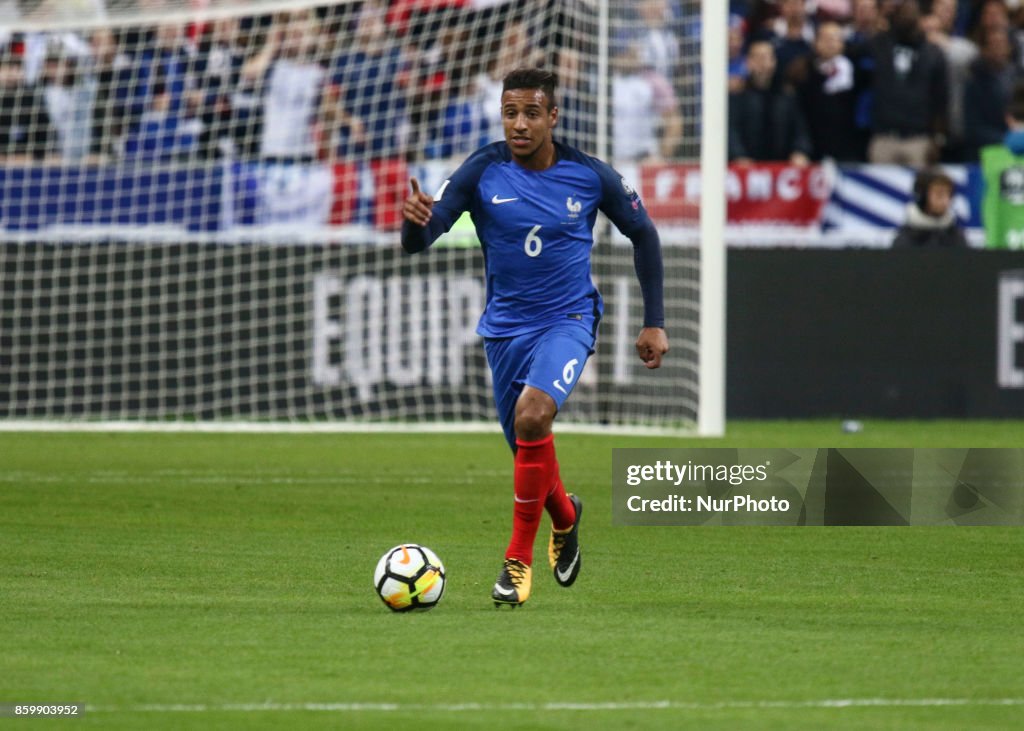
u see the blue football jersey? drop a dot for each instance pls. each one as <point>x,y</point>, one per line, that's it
<point>536,230</point>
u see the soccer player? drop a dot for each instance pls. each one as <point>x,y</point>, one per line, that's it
<point>534,202</point>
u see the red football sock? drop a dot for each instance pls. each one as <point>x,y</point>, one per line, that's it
<point>559,506</point>
<point>535,469</point>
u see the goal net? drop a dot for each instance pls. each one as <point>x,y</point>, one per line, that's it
<point>200,203</point>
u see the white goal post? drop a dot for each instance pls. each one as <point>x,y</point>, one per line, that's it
<point>200,199</point>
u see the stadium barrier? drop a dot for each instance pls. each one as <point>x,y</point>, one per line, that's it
<point>360,202</point>
<point>901,333</point>
<point>259,331</point>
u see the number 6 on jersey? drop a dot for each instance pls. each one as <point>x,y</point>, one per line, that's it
<point>533,244</point>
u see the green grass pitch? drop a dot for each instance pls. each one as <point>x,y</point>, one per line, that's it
<point>224,581</point>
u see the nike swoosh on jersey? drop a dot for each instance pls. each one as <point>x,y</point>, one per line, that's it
<point>564,575</point>
<point>521,500</point>
<point>498,201</point>
<point>503,591</point>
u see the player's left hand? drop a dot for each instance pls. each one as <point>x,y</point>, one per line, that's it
<point>651,345</point>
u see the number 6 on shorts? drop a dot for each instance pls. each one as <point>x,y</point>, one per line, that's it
<point>568,375</point>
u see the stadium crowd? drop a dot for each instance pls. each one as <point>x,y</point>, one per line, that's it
<point>885,81</point>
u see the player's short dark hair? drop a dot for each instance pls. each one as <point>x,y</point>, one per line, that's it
<point>541,79</point>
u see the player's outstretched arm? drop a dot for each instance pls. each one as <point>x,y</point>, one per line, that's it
<point>416,211</point>
<point>651,345</point>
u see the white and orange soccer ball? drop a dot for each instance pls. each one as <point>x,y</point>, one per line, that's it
<point>409,577</point>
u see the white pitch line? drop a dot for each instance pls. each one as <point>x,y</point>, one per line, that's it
<point>254,479</point>
<point>828,703</point>
<point>326,427</point>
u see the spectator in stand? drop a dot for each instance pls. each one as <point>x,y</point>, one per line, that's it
<point>658,44</point>
<point>577,103</point>
<point>939,26</point>
<point>765,121</point>
<point>931,221</point>
<point>25,130</point>
<point>169,56</point>
<point>760,16</point>
<point>987,92</point>
<point>792,34</point>
<point>646,121</point>
<point>291,81</point>
<point>828,92</point>
<point>988,14</point>
<point>573,58</point>
<point>130,72</point>
<point>35,48</point>
<point>867,22</point>
<point>737,58</point>
<point>215,96</point>
<point>910,92</point>
<point>163,134</point>
<point>161,54</point>
<point>111,68</point>
<point>511,50</point>
<point>440,79</point>
<point>70,94</point>
<point>460,125</point>
<point>364,104</point>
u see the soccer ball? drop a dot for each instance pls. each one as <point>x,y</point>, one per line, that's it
<point>409,577</point>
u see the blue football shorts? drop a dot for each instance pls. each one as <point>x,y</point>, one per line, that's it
<point>550,360</point>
